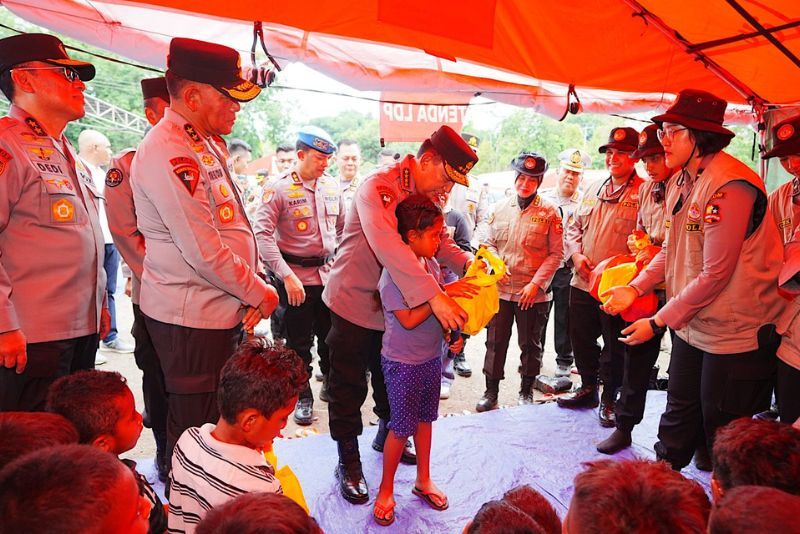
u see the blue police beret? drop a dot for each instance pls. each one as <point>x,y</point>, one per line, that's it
<point>316,138</point>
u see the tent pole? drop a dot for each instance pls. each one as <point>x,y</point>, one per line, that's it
<point>673,36</point>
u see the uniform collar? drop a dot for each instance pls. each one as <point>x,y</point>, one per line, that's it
<point>33,125</point>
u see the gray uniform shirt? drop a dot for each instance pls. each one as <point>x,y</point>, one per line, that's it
<point>200,266</point>
<point>371,242</point>
<point>52,282</point>
<point>300,218</point>
<point>121,214</point>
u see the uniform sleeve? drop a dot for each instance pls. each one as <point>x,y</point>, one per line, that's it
<point>266,224</point>
<point>380,229</point>
<point>189,221</point>
<point>340,220</point>
<point>121,214</point>
<point>555,246</point>
<point>654,273</point>
<point>573,236</point>
<point>482,214</point>
<point>11,184</point>
<point>723,243</point>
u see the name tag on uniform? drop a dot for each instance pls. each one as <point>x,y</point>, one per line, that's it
<point>589,202</point>
<point>692,227</point>
<point>539,220</point>
<point>298,201</point>
<point>630,204</point>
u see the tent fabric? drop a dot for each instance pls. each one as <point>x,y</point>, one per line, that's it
<point>622,56</point>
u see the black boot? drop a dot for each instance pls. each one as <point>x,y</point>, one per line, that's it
<point>618,440</point>
<point>702,460</point>
<point>162,463</point>
<point>526,390</point>
<point>352,484</point>
<point>409,452</point>
<point>583,397</point>
<point>489,399</point>
<point>607,414</point>
<point>323,391</point>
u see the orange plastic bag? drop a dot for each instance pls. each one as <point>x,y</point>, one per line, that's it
<point>287,478</point>
<point>483,306</point>
<point>620,270</point>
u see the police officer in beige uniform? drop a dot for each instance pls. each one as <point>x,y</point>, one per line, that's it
<point>525,231</point>
<point>371,242</point>
<point>200,281</point>
<point>122,223</point>
<point>599,230</point>
<point>720,261</point>
<point>639,359</point>
<point>298,226</point>
<point>784,204</point>
<point>348,160</point>
<point>566,195</point>
<point>52,304</point>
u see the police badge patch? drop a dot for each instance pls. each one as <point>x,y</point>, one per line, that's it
<point>113,177</point>
<point>187,171</point>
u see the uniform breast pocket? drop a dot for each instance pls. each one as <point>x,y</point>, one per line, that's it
<point>624,226</point>
<point>500,232</point>
<point>60,204</point>
<point>536,236</point>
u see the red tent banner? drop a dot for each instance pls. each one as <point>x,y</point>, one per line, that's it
<point>402,118</point>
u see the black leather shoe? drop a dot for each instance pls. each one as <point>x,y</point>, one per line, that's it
<point>409,456</point>
<point>352,483</point>
<point>702,460</point>
<point>608,418</point>
<point>461,366</point>
<point>323,391</point>
<point>583,397</point>
<point>304,412</point>
<point>617,441</point>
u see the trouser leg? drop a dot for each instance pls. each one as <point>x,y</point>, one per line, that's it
<point>584,329</point>
<point>111,267</point>
<point>277,320</point>
<point>788,392</point>
<point>530,326</point>
<point>300,330</point>
<point>498,335</point>
<point>612,358</point>
<point>639,361</point>
<point>560,313</point>
<point>322,325</point>
<point>153,388</point>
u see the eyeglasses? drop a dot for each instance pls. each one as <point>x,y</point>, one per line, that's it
<point>70,74</point>
<point>668,133</point>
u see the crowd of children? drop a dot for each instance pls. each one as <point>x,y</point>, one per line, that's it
<point>60,470</point>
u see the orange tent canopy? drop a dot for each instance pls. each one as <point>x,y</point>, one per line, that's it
<point>620,55</point>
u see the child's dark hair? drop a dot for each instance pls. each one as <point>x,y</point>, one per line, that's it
<point>59,489</point>
<point>416,212</point>
<point>751,509</point>
<point>535,505</point>
<point>26,432</point>
<point>258,513</point>
<point>261,376</point>
<point>87,398</point>
<point>501,517</point>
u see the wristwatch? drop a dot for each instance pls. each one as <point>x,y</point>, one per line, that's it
<point>657,330</point>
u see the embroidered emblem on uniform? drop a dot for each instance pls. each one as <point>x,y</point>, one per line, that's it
<point>188,173</point>
<point>302,226</point>
<point>223,190</point>
<point>61,183</point>
<point>306,211</point>
<point>295,187</point>
<point>297,201</point>
<point>189,129</point>
<point>197,148</point>
<point>296,179</point>
<point>297,213</point>
<point>785,223</point>
<point>322,144</point>
<point>471,207</point>
<point>31,138</point>
<point>718,195</point>
<point>630,204</point>
<point>694,212</point>
<point>63,210</point>
<point>113,177</point>
<point>41,152</point>
<point>692,227</point>
<point>538,220</point>
<point>35,126</point>
<point>226,212</point>
<point>667,224</point>
<point>406,184</point>
<point>207,160</point>
<point>387,196</point>
<point>296,194</point>
<point>267,195</point>
<point>712,214</point>
<point>619,134</point>
<point>785,132</point>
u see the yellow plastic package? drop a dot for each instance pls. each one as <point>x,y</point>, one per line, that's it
<point>287,478</point>
<point>483,306</point>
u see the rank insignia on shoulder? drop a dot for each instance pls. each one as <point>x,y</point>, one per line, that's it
<point>387,196</point>
<point>268,195</point>
<point>35,127</point>
<point>192,133</point>
<point>406,179</point>
<point>187,171</point>
<point>295,178</point>
<point>113,177</point>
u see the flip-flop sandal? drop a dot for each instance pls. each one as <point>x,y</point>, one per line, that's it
<point>428,498</point>
<point>386,515</point>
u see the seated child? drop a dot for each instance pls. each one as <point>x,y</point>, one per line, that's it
<point>413,345</point>
<point>755,510</point>
<point>24,432</point>
<point>535,505</point>
<point>635,496</point>
<point>258,389</point>
<point>756,453</point>
<point>71,489</point>
<point>258,513</point>
<point>502,517</point>
<point>101,406</point>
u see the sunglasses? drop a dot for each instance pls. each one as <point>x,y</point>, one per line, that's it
<point>69,73</point>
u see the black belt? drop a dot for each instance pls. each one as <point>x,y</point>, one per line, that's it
<point>306,262</point>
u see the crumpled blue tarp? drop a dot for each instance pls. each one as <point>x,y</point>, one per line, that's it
<point>475,458</point>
